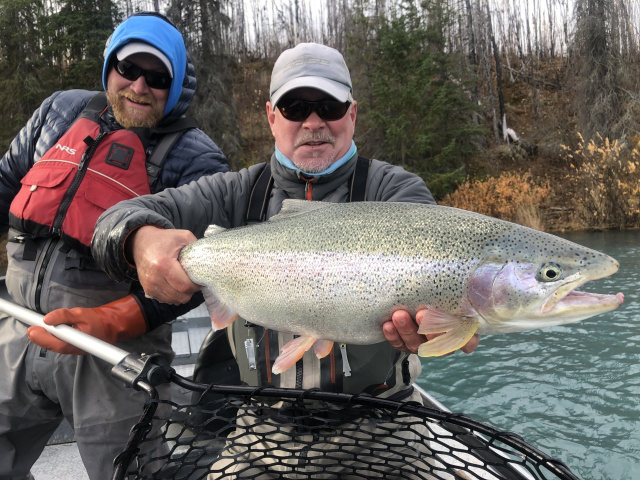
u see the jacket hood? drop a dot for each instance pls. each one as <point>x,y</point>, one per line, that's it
<point>160,33</point>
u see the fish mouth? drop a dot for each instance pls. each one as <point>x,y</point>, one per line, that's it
<point>567,298</point>
<point>578,301</point>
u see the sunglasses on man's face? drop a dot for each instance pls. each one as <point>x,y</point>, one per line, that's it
<point>298,110</point>
<point>131,71</point>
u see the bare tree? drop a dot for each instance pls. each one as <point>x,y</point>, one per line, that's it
<point>598,103</point>
<point>492,47</point>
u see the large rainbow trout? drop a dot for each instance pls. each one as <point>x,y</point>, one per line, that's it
<point>335,272</point>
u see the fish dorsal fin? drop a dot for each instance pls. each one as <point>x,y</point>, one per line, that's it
<point>213,230</point>
<point>291,207</point>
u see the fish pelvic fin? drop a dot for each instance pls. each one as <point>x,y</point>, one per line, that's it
<point>291,353</point>
<point>456,332</point>
<point>221,315</point>
<point>322,348</point>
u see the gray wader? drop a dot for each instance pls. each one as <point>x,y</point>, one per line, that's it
<point>38,388</point>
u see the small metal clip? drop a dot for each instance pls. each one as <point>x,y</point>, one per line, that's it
<point>346,368</point>
<point>251,353</point>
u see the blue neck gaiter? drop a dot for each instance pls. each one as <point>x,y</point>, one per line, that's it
<point>284,161</point>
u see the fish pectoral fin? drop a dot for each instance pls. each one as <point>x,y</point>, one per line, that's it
<point>450,341</point>
<point>221,315</point>
<point>322,348</point>
<point>435,321</point>
<point>291,353</point>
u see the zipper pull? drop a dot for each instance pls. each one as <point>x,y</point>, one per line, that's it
<point>308,188</point>
<point>92,148</point>
<point>83,159</point>
<point>346,368</point>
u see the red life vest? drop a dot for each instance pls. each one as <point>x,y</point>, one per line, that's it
<point>83,174</point>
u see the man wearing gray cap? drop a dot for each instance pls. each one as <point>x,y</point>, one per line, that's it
<point>312,115</point>
<point>80,153</point>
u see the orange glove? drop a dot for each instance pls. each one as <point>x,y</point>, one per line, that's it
<point>114,322</point>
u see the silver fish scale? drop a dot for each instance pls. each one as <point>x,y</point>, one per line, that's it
<point>373,227</point>
<point>337,272</point>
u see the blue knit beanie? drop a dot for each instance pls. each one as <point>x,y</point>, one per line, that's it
<point>161,34</point>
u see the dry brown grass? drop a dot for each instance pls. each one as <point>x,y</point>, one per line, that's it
<point>511,196</point>
<point>605,179</point>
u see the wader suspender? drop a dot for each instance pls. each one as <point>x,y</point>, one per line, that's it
<point>168,135</point>
<point>261,191</point>
<point>260,194</point>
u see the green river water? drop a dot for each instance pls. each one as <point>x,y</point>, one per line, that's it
<point>571,391</point>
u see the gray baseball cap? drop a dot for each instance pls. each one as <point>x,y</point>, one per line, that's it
<point>310,65</point>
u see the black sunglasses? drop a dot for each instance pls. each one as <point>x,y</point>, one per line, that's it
<point>131,71</point>
<point>298,110</point>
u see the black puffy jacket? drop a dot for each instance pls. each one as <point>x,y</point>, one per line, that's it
<point>194,155</point>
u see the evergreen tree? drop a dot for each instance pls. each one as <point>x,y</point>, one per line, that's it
<point>204,24</point>
<point>77,33</point>
<point>418,108</point>
<point>21,85</point>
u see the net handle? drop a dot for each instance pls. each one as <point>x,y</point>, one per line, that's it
<point>98,348</point>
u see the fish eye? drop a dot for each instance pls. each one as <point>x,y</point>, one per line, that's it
<point>549,272</point>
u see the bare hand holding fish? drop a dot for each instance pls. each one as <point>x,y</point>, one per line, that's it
<point>402,333</point>
<point>156,260</point>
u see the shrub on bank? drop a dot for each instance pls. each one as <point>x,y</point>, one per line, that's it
<point>511,196</point>
<point>605,177</point>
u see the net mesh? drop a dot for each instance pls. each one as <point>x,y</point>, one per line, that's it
<point>244,432</point>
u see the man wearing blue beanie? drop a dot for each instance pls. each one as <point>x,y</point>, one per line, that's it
<point>80,153</point>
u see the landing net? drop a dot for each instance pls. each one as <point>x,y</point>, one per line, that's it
<point>243,432</point>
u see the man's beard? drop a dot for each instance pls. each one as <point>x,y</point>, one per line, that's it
<point>124,115</point>
<point>316,164</point>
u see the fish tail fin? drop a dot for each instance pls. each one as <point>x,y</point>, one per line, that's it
<point>291,353</point>
<point>221,315</point>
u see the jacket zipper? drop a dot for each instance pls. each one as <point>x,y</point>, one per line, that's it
<point>299,370</point>
<point>48,253</point>
<point>308,188</point>
<point>56,227</point>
